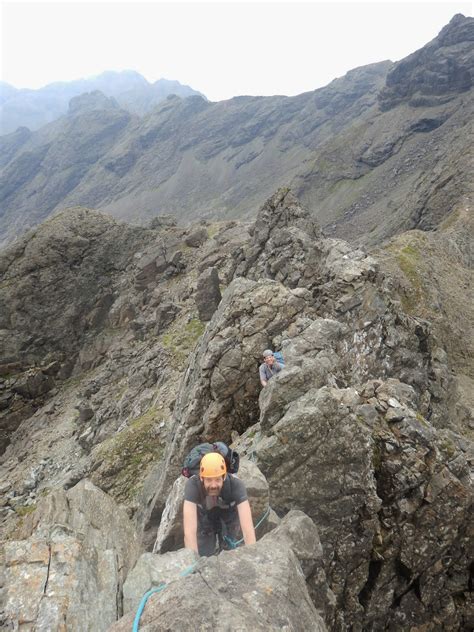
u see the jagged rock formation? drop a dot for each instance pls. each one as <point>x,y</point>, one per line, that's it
<point>25,108</point>
<point>368,172</point>
<point>435,73</point>
<point>267,590</point>
<point>375,468</point>
<point>432,272</point>
<point>359,430</point>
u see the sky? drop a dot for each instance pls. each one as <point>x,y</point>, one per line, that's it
<point>223,49</point>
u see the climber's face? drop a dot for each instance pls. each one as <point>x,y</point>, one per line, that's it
<point>269,360</point>
<point>213,486</point>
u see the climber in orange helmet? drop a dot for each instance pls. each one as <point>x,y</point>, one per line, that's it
<point>215,505</point>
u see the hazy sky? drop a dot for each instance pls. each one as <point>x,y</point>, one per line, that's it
<point>221,48</point>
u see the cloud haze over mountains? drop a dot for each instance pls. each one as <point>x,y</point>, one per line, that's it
<point>34,108</point>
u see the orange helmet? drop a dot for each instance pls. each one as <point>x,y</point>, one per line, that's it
<point>212,465</point>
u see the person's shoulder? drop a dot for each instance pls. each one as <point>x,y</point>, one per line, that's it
<point>237,484</point>
<point>192,488</point>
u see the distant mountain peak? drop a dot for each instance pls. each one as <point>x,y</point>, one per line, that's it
<point>436,73</point>
<point>95,100</point>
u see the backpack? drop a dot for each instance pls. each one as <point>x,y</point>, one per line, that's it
<point>279,358</point>
<point>193,460</point>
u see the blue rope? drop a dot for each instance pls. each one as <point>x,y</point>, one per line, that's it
<point>141,607</point>
<point>235,543</point>
<point>187,571</point>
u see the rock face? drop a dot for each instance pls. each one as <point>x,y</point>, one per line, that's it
<point>68,570</point>
<point>208,293</point>
<point>258,587</point>
<point>362,429</point>
<point>432,272</point>
<point>58,285</point>
<point>390,495</point>
<point>152,570</point>
<point>435,73</point>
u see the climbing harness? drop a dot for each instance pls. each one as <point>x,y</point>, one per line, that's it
<point>233,544</point>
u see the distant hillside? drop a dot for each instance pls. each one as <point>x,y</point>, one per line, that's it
<point>383,149</point>
<point>35,108</point>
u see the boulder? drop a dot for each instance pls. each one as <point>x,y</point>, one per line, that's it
<point>196,238</point>
<point>165,315</point>
<point>67,571</point>
<point>257,587</point>
<point>208,294</point>
<point>163,221</point>
<point>150,571</point>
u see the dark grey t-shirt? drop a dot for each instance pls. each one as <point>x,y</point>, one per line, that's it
<point>233,493</point>
<point>266,372</point>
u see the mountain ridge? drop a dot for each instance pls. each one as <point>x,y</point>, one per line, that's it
<point>25,107</point>
<point>350,160</point>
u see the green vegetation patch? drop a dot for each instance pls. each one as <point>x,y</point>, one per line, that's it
<point>410,260</point>
<point>24,510</point>
<point>180,340</point>
<point>421,419</point>
<point>125,457</point>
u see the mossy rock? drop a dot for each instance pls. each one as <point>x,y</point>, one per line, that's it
<point>180,340</point>
<point>126,457</point>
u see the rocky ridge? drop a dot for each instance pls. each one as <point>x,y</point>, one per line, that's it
<point>358,431</point>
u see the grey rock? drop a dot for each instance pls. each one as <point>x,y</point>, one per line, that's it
<point>71,564</point>
<point>196,238</point>
<point>383,514</point>
<point>440,69</point>
<point>258,587</point>
<point>163,221</point>
<point>208,294</point>
<point>150,571</point>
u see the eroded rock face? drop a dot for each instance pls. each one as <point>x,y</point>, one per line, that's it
<point>435,73</point>
<point>69,568</point>
<point>392,506</point>
<point>257,587</point>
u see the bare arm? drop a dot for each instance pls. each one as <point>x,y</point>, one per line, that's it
<point>190,526</point>
<point>246,522</point>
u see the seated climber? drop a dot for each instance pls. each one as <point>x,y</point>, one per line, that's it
<point>215,504</point>
<point>269,367</point>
